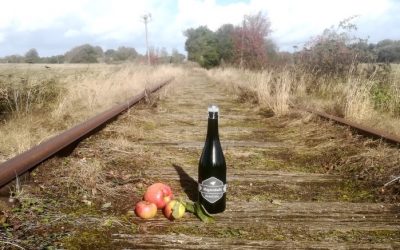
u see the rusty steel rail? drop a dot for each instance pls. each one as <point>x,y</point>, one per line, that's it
<point>360,128</point>
<point>27,160</point>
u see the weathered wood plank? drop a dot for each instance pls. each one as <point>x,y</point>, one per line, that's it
<point>249,175</point>
<point>321,216</point>
<point>182,241</point>
<point>226,144</point>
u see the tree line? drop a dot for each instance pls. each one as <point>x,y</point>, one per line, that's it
<point>87,53</point>
<point>249,45</point>
<point>246,45</point>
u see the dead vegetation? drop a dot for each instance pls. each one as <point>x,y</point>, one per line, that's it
<point>371,100</point>
<point>48,101</point>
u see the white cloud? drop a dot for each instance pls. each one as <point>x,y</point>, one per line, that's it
<point>72,33</point>
<point>28,16</point>
<point>106,22</point>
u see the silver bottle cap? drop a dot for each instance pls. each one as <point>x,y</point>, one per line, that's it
<point>213,108</point>
<point>213,111</point>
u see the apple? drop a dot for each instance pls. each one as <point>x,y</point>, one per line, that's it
<point>159,194</point>
<point>145,210</point>
<point>174,210</point>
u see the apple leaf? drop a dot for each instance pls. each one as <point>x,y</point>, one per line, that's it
<point>202,213</point>
<point>189,206</point>
<point>198,210</point>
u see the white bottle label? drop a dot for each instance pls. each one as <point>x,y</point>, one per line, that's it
<point>212,189</point>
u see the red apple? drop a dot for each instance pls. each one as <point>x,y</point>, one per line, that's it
<point>174,210</point>
<point>159,194</point>
<point>145,210</point>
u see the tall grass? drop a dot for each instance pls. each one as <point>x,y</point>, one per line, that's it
<point>22,93</point>
<point>269,89</point>
<point>42,107</point>
<point>358,105</point>
<point>94,92</point>
<point>367,99</point>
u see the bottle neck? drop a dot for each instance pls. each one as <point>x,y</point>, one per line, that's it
<point>212,129</point>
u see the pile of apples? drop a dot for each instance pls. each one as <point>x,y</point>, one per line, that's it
<point>159,196</point>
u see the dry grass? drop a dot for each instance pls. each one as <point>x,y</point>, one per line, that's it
<point>352,97</point>
<point>357,99</point>
<point>268,88</point>
<point>80,92</point>
<point>87,177</point>
<point>94,93</point>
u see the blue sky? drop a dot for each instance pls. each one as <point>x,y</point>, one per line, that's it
<point>55,26</point>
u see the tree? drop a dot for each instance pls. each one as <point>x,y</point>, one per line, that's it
<point>32,56</point>
<point>177,57</point>
<point>201,45</point>
<point>272,51</point>
<point>125,53</point>
<point>388,51</point>
<point>84,54</point>
<point>250,41</point>
<point>53,59</point>
<point>163,56</point>
<point>14,59</point>
<point>224,37</point>
<point>333,52</point>
<point>109,55</point>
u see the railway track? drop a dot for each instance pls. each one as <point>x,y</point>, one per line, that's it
<point>27,160</point>
<point>23,162</point>
<point>283,189</point>
<point>361,129</point>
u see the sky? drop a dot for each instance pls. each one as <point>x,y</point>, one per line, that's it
<point>55,26</point>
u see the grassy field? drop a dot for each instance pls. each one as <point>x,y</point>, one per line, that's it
<point>37,102</point>
<point>369,96</point>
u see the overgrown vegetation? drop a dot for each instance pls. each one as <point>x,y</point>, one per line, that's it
<point>333,72</point>
<point>23,93</point>
<point>248,45</point>
<point>37,102</point>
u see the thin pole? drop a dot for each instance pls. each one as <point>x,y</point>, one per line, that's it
<point>242,46</point>
<point>146,19</point>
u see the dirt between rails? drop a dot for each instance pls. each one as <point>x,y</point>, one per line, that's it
<point>294,182</point>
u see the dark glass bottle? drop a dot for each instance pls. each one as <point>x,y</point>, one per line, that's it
<point>212,168</point>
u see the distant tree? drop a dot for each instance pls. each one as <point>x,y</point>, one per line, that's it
<point>388,51</point>
<point>84,54</point>
<point>363,51</point>
<point>53,59</point>
<point>110,52</point>
<point>225,45</point>
<point>331,53</point>
<point>384,43</point>
<point>121,54</point>
<point>32,56</point>
<point>109,55</point>
<point>163,56</point>
<point>125,53</point>
<point>14,59</point>
<point>250,41</point>
<point>272,51</point>
<point>177,57</point>
<point>201,45</point>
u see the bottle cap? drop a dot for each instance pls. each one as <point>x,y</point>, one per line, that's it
<point>213,112</point>
<point>213,108</point>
